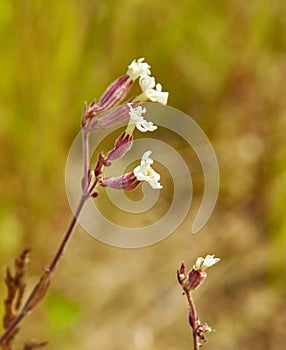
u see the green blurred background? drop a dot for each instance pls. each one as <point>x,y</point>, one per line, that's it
<point>224,63</point>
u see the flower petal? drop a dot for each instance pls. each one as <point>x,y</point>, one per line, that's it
<point>138,68</point>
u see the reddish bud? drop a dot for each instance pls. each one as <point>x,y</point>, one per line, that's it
<point>122,145</point>
<point>101,163</point>
<point>195,279</point>
<point>182,274</point>
<point>125,182</point>
<point>115,116</point>
<point>113,95</point>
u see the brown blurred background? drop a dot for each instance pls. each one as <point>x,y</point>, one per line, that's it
<point>223,63</point>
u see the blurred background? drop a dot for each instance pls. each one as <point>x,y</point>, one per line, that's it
<point>224,63</point>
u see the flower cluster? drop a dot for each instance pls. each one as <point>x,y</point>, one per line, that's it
<point>109,111</point>
<point>147,83</point>
<point>111,108</point>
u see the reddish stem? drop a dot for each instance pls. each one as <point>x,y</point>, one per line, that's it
<point>42,286</point>
<point>193,318</point>
<point>85,151</point>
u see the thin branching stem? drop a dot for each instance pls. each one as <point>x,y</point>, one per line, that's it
<point>41,287</point>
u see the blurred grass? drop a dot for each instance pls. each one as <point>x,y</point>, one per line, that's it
<point>223,63</point>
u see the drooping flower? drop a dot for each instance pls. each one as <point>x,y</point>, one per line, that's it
<point>146,82</point>
<point>138,68</point>
<point>129,181</point>
<point>137,120</point>
<point>147,85</point>
<point>144,172</point>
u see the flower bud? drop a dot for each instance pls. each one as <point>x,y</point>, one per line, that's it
<point>125,182</point>
<point>182,274</point>
<point>113,95</point>
<point>115,116</point>
<point>122,145</point>
<point>101,163</point>
<point>195,279</point>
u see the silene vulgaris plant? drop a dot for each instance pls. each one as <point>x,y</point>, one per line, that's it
<point>112,107</point>
<point>190,281</point>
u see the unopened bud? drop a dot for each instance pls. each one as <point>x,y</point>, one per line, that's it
<point>113,117</point>
<point>101,163</point>
<point>122,145</point>
<point>195,279</point>
<point>113,95</point>
<point>125,182</point>
<point>182,274</point>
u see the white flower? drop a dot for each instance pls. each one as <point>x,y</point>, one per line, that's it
<point>144,172</point>
<point>138,68</point>
<point>146,82</point>
<point>138,120</point>
<point>204,263</point>
<point>155,95</point>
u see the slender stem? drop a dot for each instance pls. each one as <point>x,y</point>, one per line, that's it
<point>12,327</point>
<point>85,151</point>
<point>41,287</point>
<point>196,343</point>
<point>193,319</point>
<point>67,235</point>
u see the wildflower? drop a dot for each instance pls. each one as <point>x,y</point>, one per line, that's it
<point>129,181</point>
<point>138,121</point>
<point>138,68</point>
<point>147,85</point>
<point>117,91</point>
<point>146,82</point>
<point>144,172</point>
<point>195,277</point>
